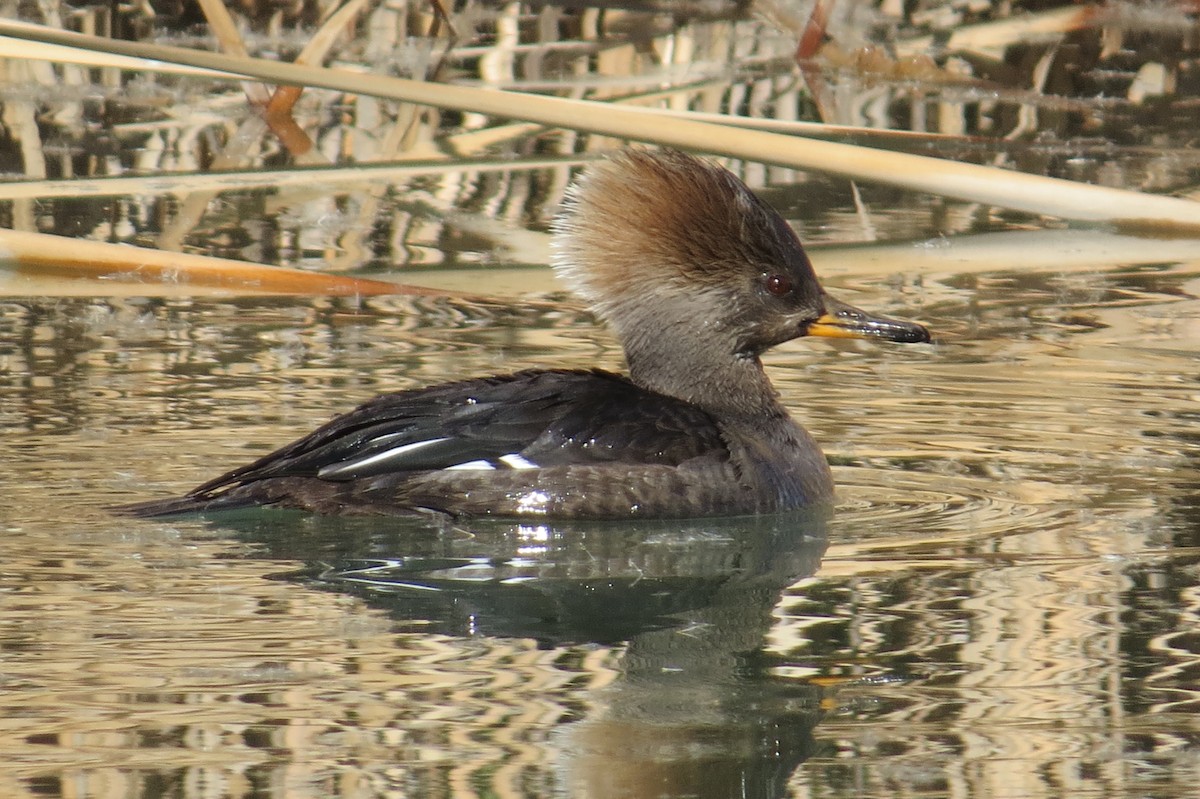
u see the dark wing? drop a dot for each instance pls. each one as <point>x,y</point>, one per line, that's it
<point>525,420</point>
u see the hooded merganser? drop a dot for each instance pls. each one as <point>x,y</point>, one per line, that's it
<point>697,276</point>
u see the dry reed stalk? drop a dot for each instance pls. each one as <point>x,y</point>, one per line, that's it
<point>992,38</point>
<point>24,253</point>
<point>322,177</point>
<point>278,110</point>
<point>221,22</point>
<point>1023,192</point>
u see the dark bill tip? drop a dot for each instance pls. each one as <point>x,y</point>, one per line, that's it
<point>845,321</point>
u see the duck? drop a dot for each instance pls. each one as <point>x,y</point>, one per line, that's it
<point>696,276</point>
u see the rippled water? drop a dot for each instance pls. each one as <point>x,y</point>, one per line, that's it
<point>1005,603</point>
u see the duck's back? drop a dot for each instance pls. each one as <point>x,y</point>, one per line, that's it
<point>566,444</point>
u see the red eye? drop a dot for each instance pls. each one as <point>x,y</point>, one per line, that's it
<point>779,285</point>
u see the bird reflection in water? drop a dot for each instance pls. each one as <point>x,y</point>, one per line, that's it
<point>695,710</point>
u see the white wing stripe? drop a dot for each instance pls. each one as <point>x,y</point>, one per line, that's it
<point>516,461</point>
<point>354,467</point>
<point>340,469</point>
<point>470,465</point>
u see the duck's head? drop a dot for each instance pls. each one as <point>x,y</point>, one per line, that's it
<point>691,269</point>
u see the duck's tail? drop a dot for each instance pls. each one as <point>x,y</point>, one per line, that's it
<point>177,506</point>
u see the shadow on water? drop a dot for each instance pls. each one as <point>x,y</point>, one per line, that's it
<point>694,710</point>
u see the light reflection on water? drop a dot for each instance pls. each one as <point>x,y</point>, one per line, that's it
<point>1005,602</point>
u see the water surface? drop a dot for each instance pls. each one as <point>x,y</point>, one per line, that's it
<point>1004,604</point>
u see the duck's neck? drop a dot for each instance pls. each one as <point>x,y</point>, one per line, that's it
<point>697,364</point>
